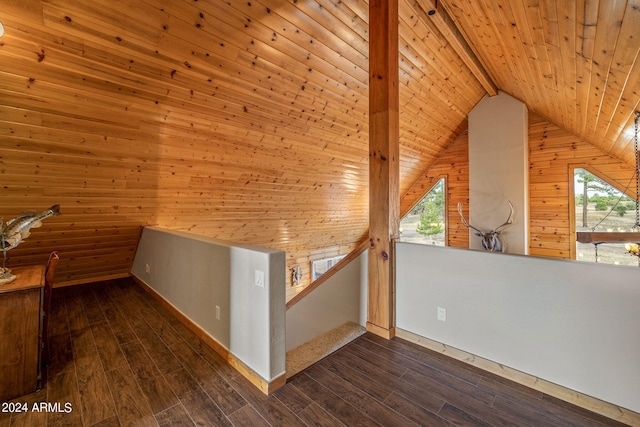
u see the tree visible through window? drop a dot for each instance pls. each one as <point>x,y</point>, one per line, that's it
<point>602,207</point>
<point>425,223</point>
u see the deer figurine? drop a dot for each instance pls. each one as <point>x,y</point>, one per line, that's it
<point>491,240</point>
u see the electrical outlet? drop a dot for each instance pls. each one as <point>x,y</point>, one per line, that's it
<point>442,314</point>
<point>217,312</point>
<point>147,268</point>
<point>260,278</point>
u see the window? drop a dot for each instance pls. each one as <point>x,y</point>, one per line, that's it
<point>425,222</point>
<point>319,267</point>
<point>601,207</point>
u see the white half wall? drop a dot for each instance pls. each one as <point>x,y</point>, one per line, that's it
<point>341,299</point>
<point>196,274</point>
<point>499,170</point>
<point>570,323</point>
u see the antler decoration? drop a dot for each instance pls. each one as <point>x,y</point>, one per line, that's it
<point>464,221</point>
<point>509,220</point>
<point>491,240</point>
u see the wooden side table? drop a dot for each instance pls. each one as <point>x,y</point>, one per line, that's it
<point>20,312</point>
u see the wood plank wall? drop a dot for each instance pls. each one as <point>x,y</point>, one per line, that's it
<point>243,121</point>
<point>553,152</point>
<point>168,118</point>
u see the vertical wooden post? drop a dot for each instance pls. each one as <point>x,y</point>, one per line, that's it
<point>384,169</point>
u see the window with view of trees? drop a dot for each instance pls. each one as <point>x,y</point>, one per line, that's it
<point>602,207</point>
<point>425,223</point>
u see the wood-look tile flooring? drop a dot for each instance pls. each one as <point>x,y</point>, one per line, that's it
<point>119,358</point>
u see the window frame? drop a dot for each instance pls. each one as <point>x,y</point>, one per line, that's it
<point>573,251</point>
<point>333,260</point>
<point>436,179</point>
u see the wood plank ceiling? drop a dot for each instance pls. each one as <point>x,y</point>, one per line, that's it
<point>574,62</point>
<point>248,120</point>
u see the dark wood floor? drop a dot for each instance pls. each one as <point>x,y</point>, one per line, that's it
<point>119,358</point>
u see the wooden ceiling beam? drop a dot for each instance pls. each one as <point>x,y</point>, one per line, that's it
<point>434,11</point>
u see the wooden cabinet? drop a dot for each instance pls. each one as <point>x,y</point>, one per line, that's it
<point>20,312</point>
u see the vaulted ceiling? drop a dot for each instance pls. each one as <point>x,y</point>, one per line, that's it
<point>574,62</point>
<point>248,120</point>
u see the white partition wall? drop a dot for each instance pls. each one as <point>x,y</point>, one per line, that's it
<point>235,293</point>
<point>499,169</point>
<point>342,298</point>
<point>570,323</point>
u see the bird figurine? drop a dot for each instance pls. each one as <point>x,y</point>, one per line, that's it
<point>15,231</point>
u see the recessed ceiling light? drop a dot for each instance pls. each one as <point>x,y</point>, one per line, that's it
<point>1,29</point>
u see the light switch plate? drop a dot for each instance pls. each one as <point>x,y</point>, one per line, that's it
<point>260,278</point>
